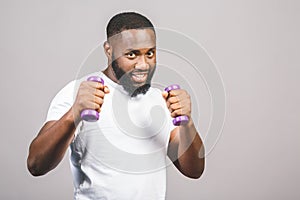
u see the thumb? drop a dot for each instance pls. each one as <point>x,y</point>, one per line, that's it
<point>106,90</point>
<point>165,95</point>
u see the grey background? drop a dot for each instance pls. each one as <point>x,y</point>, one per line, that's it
<point>255,45</point>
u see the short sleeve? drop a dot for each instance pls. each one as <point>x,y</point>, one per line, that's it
<point>62,102</point>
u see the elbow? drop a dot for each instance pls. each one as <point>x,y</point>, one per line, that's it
<point>195,171</point>
<point>34,163</point>
<point>33,167</point>
<point>196,174</point>
<point>199,170</point>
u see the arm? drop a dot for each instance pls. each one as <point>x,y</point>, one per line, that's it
<point>185,148</point>
<point>51,143</point>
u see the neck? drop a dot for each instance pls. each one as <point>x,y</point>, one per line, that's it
<point>109,72</point>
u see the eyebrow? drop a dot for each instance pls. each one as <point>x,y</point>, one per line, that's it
<point>137,50</point>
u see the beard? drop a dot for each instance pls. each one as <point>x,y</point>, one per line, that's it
<point>126,81</point>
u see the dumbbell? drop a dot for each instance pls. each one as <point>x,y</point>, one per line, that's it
<point>179,120</point>
<point>88,114</point>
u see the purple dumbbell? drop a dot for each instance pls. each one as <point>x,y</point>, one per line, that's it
<point>179,120</point>
<point>91,115</point>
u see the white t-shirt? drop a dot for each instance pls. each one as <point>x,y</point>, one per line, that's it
<point>122,156</point>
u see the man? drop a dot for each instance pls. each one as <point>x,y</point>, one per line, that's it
<point>123,154</point>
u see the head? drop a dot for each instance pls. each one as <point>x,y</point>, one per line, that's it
<point>131,51</point>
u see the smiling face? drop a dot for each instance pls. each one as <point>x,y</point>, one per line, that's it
<point>132,55</point>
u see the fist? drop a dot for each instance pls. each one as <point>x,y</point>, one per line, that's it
<point>90,95</point>
<point>178,102</point>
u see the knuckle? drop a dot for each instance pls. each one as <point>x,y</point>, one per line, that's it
<point>172,106</point>
<point>173,99</point>
<point>173,114</point>
<point>100,101</point>
<point>173,92</point>
<point>98,106</point>
<point>176,112</point>
<point>83,84</point>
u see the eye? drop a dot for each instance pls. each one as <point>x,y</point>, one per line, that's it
<point>130,55</point>
<point>150,54</point>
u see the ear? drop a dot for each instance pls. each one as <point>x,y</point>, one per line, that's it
<point>107,49</point>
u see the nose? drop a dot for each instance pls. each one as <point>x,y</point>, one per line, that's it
<point>142,64</point>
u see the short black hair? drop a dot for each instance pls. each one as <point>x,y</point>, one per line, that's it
<point>126,21</point>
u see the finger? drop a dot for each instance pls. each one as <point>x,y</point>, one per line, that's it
<point>175,106</point>
<point>184,108</point>
<point>98,110</point>
<point>98,93</point>
<point>96,106</point>
<point>98,100</point>
<point>92,106</point>
<point>176,113</point>
<point>89,100</point>
<point>175,92</point>
<point>173,99</point>
<point>97,85</point>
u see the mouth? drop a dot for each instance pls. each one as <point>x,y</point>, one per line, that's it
<point>139,77</point>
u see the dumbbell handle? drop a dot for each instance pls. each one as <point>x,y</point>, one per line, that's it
<point>179,120</point>
<point>89,114</point>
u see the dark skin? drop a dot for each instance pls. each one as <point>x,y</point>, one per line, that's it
<point>134,50</point>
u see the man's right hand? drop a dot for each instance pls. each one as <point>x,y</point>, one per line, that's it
<point>90,95</point>
<point>52,141</point>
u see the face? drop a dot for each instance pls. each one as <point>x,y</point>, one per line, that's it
<point>133,59</point>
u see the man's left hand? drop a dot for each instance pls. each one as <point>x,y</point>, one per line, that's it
<point>178,102</point>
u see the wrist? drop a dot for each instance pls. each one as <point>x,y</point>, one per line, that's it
<point>188,130</point>
<point>189,124</point>
<point>73,116</point>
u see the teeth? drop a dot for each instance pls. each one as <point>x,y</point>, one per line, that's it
<point>139,76</point>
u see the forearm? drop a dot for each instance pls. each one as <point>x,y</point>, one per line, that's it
<point>49,147</point>
<point>191,159</point>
